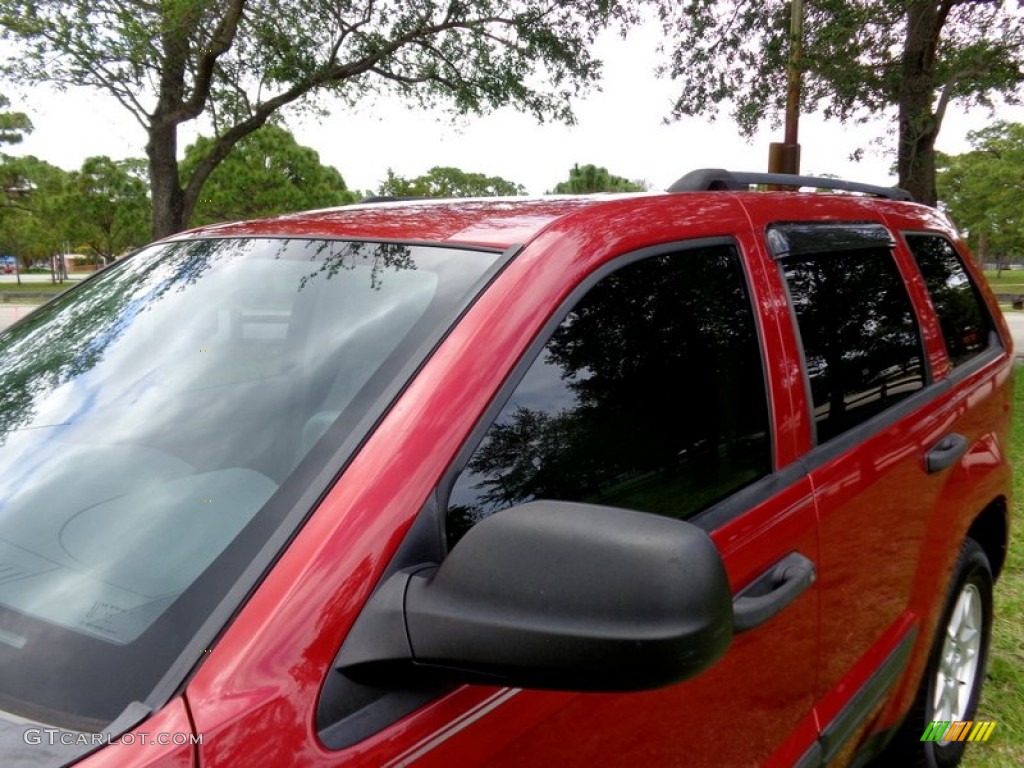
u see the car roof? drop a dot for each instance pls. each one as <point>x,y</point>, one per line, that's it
<point>499,223</point>
<point>484,222</point>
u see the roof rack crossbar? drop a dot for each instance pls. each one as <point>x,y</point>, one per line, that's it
<point>710,179</point>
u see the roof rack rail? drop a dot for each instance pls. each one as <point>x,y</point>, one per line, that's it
<point>392,198</point>
<point>711,179</point>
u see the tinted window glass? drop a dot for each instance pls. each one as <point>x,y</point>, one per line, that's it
<point>860,339</point>
<point>965,322</point>
<point>649,395</point>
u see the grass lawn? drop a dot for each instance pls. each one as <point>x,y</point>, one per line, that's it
<point>1011,281</point>
<point>29,293</point>
<point>47,287</point>
<point>1003,698</point>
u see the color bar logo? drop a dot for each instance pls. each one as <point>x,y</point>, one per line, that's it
<point>959,730</point>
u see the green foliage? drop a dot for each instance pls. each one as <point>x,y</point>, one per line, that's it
<point>912,58</point>
<point>31,223</point>
<point>25,291</point>
<point>13,125</point>
<point>101,209</point>
<point>736,53</point>
<point>983,191</point>
<point>106,208</point>
<point>589,179</point>
<point>267,173</point>
<point>1006,282</point>
<point>238,62</point>
<point>442,181</point>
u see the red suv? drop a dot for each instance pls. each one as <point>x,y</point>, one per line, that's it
<point>705,478</point>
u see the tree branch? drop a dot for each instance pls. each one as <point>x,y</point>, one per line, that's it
<point>220,42</point>
<point>108,80</point>
<point>336,73</point>
<point>415,80</point>
<point>947,93</point>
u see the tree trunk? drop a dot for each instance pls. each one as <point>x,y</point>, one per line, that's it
<point>168,199</point>
<point>918,121</point>
<point>916,164</point>
<point>162,147</point>
<point>982,248</point>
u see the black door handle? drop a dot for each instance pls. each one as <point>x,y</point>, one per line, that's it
<point>945,453</point>
<point>772,591</point>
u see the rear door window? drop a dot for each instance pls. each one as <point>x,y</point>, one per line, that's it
<point>861,344</point>
<point>966,324</point>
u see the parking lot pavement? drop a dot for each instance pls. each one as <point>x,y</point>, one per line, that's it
<point>11,312</point>
<point>35,278</point>
<point>1016,322</point>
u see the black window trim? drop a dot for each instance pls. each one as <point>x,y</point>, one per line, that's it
<point>536,346</point>
<point>819,455</point>
<point>749,496</point>
<point>877,421</point>
<point>996,350</point>
<point>996,346</point>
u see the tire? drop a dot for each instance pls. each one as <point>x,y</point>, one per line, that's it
<point>953,679</point>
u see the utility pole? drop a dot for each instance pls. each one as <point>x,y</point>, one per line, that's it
<point>785,157</point>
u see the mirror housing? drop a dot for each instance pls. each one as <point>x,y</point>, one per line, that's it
<point>553,595</point>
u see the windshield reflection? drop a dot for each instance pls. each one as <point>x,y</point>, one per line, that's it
<point>149,415</point>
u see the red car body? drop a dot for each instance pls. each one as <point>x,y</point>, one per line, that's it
<point>883,533</point>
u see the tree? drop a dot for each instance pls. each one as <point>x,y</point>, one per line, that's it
<point>236,63</point>
<point>449,182</point>
<point>590,179</point>
<point>983,190</point>
<point>106,206</point>
<point>267,173</point>
<point>13,125</point>
<point>910,59</point>
<point>31,223</point>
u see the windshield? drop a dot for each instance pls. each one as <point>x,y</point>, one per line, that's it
<point>154,426</point>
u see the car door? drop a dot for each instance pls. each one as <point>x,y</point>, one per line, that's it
<point>876,462</point>
<point>648,391</point>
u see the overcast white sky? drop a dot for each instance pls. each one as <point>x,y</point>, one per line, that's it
<point>620,127</point>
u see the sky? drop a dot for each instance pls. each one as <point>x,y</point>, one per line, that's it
<point>621,127</point>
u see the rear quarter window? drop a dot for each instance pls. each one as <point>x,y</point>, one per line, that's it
<point>967,327</point>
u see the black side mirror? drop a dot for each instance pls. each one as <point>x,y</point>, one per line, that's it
<point>554,595</point>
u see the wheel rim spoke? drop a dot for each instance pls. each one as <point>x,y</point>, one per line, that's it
<point>958,663</point>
